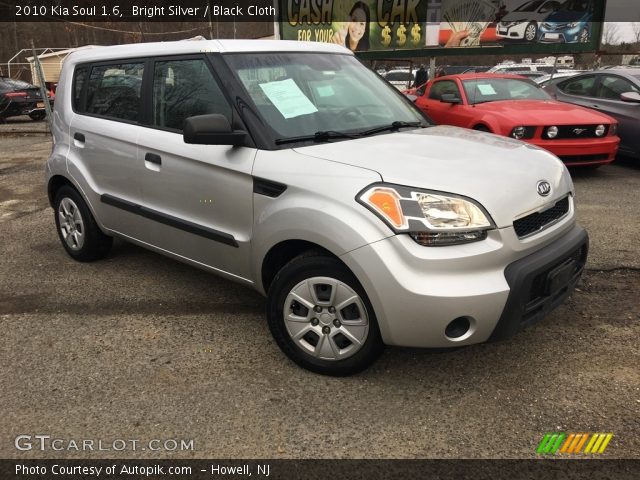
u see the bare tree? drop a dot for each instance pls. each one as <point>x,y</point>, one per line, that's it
<point>611,33</point>
<point>636,31</point>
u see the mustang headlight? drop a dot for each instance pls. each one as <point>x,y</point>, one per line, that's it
<point>431,218</point>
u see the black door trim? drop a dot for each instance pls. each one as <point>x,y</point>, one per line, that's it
<point>170,220</point>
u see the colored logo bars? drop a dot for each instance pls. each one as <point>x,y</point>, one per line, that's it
<point>573,443</point>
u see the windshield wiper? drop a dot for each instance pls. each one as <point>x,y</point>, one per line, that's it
<point>321,136</point>
<point>391,127</point>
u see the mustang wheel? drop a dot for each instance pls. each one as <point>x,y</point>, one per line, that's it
<point>321,317</point>
<point>80,235</point>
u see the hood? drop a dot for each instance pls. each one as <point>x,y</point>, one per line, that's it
<point>498,172</point>
<point>544,112</point>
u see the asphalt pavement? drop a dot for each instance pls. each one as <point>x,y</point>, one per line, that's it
<point>138,346</point>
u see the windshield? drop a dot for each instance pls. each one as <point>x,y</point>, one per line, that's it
<point>301,94</point>
<point>530,6</point>
<point>8,84</point>
<point>484,90</point>
<point>576,6</point>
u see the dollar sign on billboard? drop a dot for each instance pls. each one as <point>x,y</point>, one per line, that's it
<point>415,34</point>
<point>402,38</point>
<point>386,37</point>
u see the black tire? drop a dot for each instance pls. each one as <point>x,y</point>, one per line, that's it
<point>481,128</point>
<point>303,268</point>
<point>37,116</point>
<point>531,32</point>
<point>95,244</point>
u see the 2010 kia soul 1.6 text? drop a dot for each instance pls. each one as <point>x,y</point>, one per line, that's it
<point>292,168</point>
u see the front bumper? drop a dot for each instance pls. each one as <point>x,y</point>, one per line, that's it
<point>577,152</point>
<point>515,31</point>
<point>496,284</point>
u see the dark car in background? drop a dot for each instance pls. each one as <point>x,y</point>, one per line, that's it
<point>615,92</point>
<point>20,98</point>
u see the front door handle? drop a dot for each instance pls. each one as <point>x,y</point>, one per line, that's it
<point>153,158</point>
<point>79,137</point>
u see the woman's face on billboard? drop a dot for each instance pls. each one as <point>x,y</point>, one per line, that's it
<point>358,24</point>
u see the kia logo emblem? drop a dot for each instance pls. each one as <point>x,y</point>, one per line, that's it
<point>544,188</point>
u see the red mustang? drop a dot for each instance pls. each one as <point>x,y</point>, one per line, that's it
<point>515,107</point>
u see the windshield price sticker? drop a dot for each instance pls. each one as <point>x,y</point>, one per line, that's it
<point>287,97</point>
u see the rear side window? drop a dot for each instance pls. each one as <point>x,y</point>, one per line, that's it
<point>578,86</point>
<point>114,91</point>
<point>183,89</point>
<point>79,80</point>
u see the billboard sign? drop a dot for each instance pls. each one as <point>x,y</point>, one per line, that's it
<point>389,25</point>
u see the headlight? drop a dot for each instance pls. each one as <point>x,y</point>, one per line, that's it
<point>552,132</point>
<point>600,130</point>
<point>523,132</point>
<point>574,24</point>
<point>431,218</point>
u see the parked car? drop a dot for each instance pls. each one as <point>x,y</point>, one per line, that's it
<point>523,22</point>
<point>615,92</point>
<point>20,98</point>
<point>571,23</point>
<point>513,68</point>
<point>293,169</point>
<point>400,78</point>
<point>516,107</point>
<point>544,80</point>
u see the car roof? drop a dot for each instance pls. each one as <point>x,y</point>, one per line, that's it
<point>200,46</point>
<point>479,76</point>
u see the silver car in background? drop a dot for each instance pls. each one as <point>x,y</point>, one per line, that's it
<point>614,91</point>
<point>291,168</point>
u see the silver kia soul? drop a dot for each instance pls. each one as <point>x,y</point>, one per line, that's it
<point>294,169</point>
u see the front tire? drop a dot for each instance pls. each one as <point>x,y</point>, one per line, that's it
<point>321,318</point>
<point>77,229</point>
<point>531,32</point>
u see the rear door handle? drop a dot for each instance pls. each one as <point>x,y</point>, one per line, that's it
<point>79,137</point>
<point>153,158</point>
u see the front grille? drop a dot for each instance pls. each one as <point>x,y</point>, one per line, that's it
<point>569,159</point>
<point>555,26</point>
<point>576,131</point>
<point>537,221</point>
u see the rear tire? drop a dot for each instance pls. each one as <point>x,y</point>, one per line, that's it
<point>481,128</point>
<point>321,318</point>
<point>77,229</point>
<point>36,117</point>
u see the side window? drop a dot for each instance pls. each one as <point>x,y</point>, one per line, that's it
<point>79,80</point>
<point>114,91</point>
<point>183,89</point>
<point>444,87</point>
<point>611,87</point>
<point>578,86</point>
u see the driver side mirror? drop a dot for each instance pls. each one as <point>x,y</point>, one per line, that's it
<point>211,129</point>
<point>631,97</point>
<point>450,98</point>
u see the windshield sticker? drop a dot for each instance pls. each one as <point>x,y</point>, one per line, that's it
<point>287,97</point>
<point>326,91</point>
<point>486,89</point>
